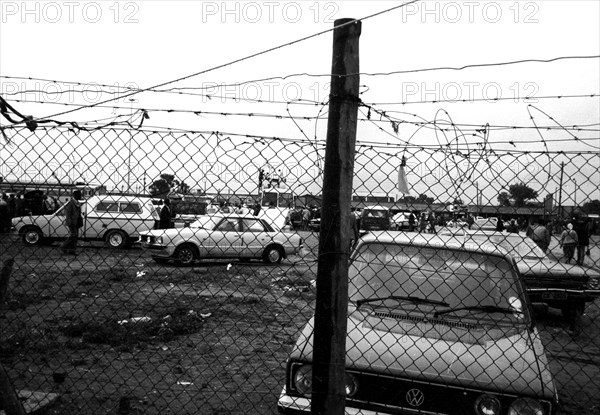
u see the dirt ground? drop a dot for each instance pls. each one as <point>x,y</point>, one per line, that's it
<point>213,337</point>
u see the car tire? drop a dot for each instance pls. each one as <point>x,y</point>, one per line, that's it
<point>273,255</point>
<point>116,239</point>
<point>185,255</point>
<point>32,236</point>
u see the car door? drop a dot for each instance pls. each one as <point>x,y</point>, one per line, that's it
<point>225,240</point>
<point>130,219</point>
<point>254,237</point>
<point>56,228</point>
<point>100,217</point>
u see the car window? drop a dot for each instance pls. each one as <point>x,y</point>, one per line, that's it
<point>107,206</point>
<point>130,207</point>
<point>229,225</point>
<point>253,225</point>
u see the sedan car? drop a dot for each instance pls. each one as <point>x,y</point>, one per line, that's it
<point>221,236</point>
<point>567,287</point>
<point>433,327</point>
<point>400,221</point>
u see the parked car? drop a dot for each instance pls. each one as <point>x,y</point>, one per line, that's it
<point>433,327</point>
<point>115,219</point>
<point>221,236</point>
<point>567,287</point>
<point>400,221</point>
<point>375,218</point>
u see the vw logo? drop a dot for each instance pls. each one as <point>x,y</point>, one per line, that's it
<point>415,397</point>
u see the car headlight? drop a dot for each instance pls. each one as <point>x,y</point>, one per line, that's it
<point>525,406</point>
<point>303,382</point>
<point>487,405</point>
<point>593,283</point>
<point>159,240</point>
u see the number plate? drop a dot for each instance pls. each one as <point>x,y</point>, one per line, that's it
<point>554,295</point>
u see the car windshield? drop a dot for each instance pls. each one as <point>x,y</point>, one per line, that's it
<point>206,222</point>
<point>429,280</point>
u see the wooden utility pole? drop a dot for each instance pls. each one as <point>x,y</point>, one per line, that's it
<point>329,355</point>
<point>562,168</point>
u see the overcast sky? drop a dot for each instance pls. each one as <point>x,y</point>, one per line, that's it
<point>148,43</point>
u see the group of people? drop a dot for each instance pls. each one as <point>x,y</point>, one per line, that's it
<point>576,239</point>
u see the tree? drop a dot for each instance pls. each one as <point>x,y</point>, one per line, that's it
<point>504,199</point>
<point>591,207</point>
<point>423,198</point>
<point>162,187</point>
<point>521,193</point>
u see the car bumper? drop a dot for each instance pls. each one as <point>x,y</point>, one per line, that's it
<point>561,295</point>
<point>159,251</point>
<point>294,406</point>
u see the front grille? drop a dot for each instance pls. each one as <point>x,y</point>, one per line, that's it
<point>402,396</point>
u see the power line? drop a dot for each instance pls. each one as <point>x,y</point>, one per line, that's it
<point>247,57</point>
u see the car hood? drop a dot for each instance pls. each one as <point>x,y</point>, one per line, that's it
<point>515,363</point>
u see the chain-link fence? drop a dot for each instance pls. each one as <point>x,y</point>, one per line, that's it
<point>196,306</point>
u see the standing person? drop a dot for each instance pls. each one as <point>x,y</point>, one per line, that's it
<point>411,222</point>
<point>423,222</point>
<point>470,221</point>
<point>431,221</point>
<point>540,234</point>
<point>512,227</point>
<point>5,218</point>
<point>73,221</point>
<point>568,242</point>
<point>500,225</point>
<point>19,205</point>
<point>583,239</point>
<point>306,218</point>
<point>166,214</point>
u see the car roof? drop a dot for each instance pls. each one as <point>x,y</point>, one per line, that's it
<point>427,240</point>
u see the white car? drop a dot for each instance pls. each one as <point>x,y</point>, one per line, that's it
<point>433,327</point>
<point>400,220</point>
<point>221,236</point>
<point>115,219</point>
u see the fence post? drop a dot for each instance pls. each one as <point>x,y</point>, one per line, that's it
<point>329,353</point>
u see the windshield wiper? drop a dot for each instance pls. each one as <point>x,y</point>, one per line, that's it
<point>401,298</point>
<point>487,308</point>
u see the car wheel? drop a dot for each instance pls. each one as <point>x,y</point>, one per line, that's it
<point>32,236</point>
<point>185,255</point>
<point>116,239</point>
<point>273,255</point>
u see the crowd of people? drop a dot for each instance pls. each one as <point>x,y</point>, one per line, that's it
<point>15,204</point>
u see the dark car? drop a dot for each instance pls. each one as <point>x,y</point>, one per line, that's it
<point>567,287</point>
<point>375,218</point>
<point>434,327</point>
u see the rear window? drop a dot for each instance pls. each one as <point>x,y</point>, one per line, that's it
<point>130,207</point>
<point>107,207</point>
<point>375,213</point>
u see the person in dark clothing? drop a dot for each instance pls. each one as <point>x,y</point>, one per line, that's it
<point>512,227</point>
<point>500,225</point>
<point>583,239</point>
<point>411,222</point>
<point>166,214</point>
<point>73,221</point>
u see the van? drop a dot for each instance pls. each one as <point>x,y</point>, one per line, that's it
<point>115,219</point>
<point>375,218</point>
